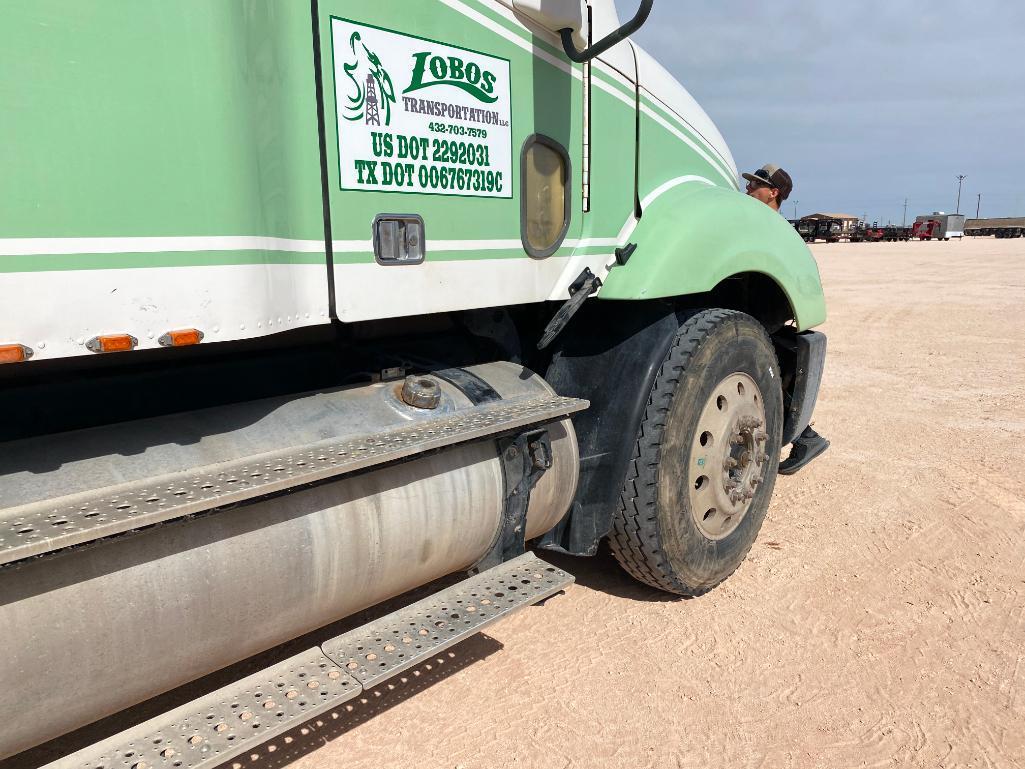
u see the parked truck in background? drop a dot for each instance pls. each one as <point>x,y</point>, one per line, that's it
<point>308,304</point>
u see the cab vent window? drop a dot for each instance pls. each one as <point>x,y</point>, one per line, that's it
<point>545,206</point>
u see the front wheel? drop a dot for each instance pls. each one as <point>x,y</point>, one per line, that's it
<point>705,457</point>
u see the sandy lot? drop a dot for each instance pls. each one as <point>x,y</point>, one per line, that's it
<point>879,620</point>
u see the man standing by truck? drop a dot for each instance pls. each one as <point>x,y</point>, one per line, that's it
<point>769,184</point>
<point>772,185</point>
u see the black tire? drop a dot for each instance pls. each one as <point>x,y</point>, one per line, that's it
<point>655,536</point>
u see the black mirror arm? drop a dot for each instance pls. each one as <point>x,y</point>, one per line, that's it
<point>609,40</point>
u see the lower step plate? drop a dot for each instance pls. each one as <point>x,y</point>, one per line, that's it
<point>213,729</point>
<point>379,650</point>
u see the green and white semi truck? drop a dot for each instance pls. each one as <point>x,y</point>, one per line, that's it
<point>305,304</point>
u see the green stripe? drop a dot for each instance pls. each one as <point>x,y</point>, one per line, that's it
<point>72,262</point>
<point>69,262</point>
<point>471,255</point>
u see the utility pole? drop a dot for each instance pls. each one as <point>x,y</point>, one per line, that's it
<point>978,205</point>
<point>904,219</point>
<point>795,208</point>
<point>960,181</point>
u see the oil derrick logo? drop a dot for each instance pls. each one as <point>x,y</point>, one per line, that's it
<point>373,113</point>
<point>373,90</point>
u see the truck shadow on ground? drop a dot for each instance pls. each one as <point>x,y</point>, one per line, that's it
<point>603,573</point>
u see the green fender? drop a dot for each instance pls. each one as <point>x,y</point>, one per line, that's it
<point>693,236</point>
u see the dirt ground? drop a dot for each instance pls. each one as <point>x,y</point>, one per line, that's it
<point>878,621</point>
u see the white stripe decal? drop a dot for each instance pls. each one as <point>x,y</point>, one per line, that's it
<point>512,37</point>
<point>651,197</point>
<point>674,116</point>
<point>147,245</point>
<point>594,243</point>
<point>606,69</point>
<point>150,245</point>
<point>615,92</point>
<point>686,140</point>
<point>472,245</point>
<point>352,246</point>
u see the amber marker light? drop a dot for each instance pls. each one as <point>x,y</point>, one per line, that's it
<point>14,353</point>
<point>181,338</point>
<point>112,343</point>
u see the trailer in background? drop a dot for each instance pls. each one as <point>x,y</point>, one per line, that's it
<point>939,226</point>
<point>1006,227</point>
<point>831,228</point>
<point>867,233</point>
<point>805,229</point>
<point>893,233</point>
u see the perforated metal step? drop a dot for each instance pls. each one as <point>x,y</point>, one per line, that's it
<point>40,527</point>
<point>213,729</point>
<point>399,641</point>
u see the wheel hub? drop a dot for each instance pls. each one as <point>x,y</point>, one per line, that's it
<point>728,456</point>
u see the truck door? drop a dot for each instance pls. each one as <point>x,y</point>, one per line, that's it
<point>453,140</point>
<point>611,139</point>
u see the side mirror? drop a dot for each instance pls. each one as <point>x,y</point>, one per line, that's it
<point>606,42</point>
<point>557,15</point>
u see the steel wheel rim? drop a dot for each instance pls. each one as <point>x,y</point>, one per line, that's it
<point>729,457</point>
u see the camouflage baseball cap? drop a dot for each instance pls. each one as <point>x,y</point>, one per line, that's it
<point>774,176</point>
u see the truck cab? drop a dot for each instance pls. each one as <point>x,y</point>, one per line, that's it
<point>311,304</point>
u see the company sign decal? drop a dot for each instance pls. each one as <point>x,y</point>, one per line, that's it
<point>418,116</point>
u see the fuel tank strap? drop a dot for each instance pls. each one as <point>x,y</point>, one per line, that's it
<point>40,527</point>
<point>213,729</point>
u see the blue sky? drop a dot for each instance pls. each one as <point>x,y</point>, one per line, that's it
<point>863,103</point>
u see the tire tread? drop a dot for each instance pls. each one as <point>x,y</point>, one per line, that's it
<point>635,537</point>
